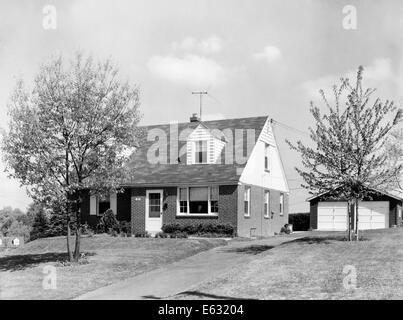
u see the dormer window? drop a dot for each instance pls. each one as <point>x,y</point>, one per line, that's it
<point>201,151</point>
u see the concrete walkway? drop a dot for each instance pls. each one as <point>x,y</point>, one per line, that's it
<point>182,275</point>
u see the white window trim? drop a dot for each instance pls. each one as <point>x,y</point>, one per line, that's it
<point>188,214</point>
<point>267,193</point>
<point>247,188</point>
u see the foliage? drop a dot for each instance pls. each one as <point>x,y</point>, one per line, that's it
<point>346,159</point>
<point>125,227</point>
<point>108,222</point>
<point>299,221</point>
<point>74,130</point>
<point>216,229</point>
<point>40,227</point>
<point>14,222</point>
<point>142,235</point>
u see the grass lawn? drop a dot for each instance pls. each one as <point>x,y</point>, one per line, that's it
<point>108,259</point>
<point>312,268</point>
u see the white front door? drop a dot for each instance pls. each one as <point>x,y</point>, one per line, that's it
<point>154,204</point>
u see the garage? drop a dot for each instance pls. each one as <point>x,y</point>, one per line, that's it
<point>380,211</point>
<point>371,215</point>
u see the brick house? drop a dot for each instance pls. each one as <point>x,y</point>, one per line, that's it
<point>222,171</point>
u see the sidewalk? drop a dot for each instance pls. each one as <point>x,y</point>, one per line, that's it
<point>187,273</point>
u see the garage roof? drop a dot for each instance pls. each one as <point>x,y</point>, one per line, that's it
<point>373,189</point>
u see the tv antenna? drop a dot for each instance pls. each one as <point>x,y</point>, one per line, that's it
<point>200,93</point>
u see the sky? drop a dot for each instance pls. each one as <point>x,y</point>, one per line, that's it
<point>255,57</point>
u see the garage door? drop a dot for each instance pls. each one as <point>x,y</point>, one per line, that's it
<point>373,215</point>
<point>332,216</point>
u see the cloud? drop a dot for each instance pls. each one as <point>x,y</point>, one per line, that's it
<point>212,44</point>
<point>269,54</point>
<point>380,74</point>
<point>190,70</point>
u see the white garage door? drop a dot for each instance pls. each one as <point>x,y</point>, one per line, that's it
<point>332,216</point>
<point>373,215</point>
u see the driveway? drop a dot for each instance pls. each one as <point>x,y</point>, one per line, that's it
<point>186,274</point>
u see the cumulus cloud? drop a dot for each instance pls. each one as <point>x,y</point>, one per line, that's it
<point>190,70</point>
<point>212,44</point>
<point>269,54</point>
<point>380,74</point>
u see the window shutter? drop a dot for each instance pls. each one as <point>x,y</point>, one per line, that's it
<point>113,203</point>
<point>93,205</point>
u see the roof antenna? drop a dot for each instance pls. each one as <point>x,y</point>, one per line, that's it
<point>200,93</point>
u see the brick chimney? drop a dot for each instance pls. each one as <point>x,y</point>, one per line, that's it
<point>194,118</point>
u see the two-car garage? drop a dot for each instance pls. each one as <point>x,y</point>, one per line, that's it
<point>371,215</point>
<point>379,212</point>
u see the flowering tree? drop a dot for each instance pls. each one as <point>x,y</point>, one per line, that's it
<point>346,158</point>
<point>73,131</point>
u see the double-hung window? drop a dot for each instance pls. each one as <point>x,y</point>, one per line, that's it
<point>198,200</point>
<point>281,204</point>
<point>246,201</point>
<point>266,203</point>
<point>183,200</point>
<point>201,152</point>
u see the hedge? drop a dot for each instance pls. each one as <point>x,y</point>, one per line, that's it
<point>219,229</point>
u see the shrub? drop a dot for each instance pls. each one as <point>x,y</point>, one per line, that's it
<point>171,227</point>
<point>161,235</point>
<point>299,221</point>
<point>40,227</point>
<point>108,222</point>
<point>142,235</point>
<point>202,229</point>
<point>125,227</point>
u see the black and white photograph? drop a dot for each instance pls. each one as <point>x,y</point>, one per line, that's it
<point>197,155</point>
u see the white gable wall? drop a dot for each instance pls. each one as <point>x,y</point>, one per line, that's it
<point>254,172</point>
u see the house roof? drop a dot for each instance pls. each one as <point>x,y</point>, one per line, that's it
<point>373,189</point>
<point>145,173</point>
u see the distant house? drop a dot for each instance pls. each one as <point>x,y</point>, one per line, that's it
<point>380,210</point>
<point>223,171</point>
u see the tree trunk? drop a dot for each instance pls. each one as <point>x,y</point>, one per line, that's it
<point>69,252</point>
<point>356,220</point>
<point>78,229</point>
<point>349,220</point>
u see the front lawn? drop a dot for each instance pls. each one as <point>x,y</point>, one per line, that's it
<point>107,260</point>
<point>312,268</point>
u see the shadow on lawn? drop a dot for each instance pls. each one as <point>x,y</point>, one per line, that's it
<point>23,261</point>
<point>322,240</point>
<point>253,249</point>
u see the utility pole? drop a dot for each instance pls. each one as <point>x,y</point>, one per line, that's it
<point>200,93</point>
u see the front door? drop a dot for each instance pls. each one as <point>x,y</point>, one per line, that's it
<point>154,200</point>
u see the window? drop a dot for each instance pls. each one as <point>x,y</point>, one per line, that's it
<point>214,199</point>
<point>281,204</point>
<point>266,203</point>
<point>246,201</point>
<point>154,204</point>
<point>183,200</point>
<point>266,158</point>
<point>201,151</point>
<point>198,200</point>
<point>104,203</point>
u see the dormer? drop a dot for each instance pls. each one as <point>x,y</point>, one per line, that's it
<point>203,146</point>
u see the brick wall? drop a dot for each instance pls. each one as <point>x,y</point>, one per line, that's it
<point>257,224</point>
<point>226,206</point>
